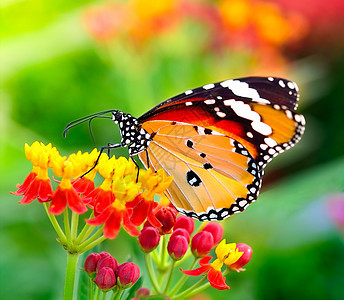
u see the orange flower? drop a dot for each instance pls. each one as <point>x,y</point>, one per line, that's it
<point>37,184</point>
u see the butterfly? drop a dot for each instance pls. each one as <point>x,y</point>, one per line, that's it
<point>214,140</point>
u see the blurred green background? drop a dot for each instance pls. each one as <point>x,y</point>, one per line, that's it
<point>61,60</point>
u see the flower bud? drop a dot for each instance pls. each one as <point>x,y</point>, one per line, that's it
<point>91,261</point>
<point>127,274</point>
<point>149,239</point>
<point>216,230</point>
<point>244,259</point>
<point>142,293</point>
<point>167,217</point>
<point>201,243</point>
<point>181,231</point>
<point>104,254</point>
<point>105,278</point>
<point>186,223</point>
<point>177,247</point>
<point>107,261</point>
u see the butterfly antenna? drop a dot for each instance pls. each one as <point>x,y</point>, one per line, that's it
<point>84,119</point>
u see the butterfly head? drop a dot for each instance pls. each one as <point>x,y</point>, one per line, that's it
<point>133,135</point>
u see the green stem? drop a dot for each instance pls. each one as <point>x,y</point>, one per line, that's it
<point>96,294</point>
<point>56,225</point>
<point>74,226</point>
<point>181,281</point>
<point>104,295</point>
<point>163,252</point>
<point>194,289</point>
<point>91,289</point>
<point>72,260</point>
<point>93,244</point>
<point>85,232</point>
<point>151,273</point>
<point>119,294</point>
<point>169,277</point>
<point>90,240</point>
<point>67,228</point>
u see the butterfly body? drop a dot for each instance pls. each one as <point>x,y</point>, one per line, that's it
<point>215,141</point>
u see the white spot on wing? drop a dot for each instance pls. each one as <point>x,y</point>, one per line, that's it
<point>210,101</point>
<point>188,92</point>
<point>262,128</point>
<point>209,86</point>
<point>188,103</point>
<point>242,89</point>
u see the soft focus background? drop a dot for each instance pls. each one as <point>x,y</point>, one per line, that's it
<point>61,60</point>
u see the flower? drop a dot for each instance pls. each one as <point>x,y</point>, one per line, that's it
<point>107,261</point>
<point>167,217</point>
<point>177,247</point>
<point>149,239</point>
<point>215,229</point>
<point>201,243</point>
<point>65,194</point>
<point>244,259</point>
<point>105,279</point>
<point>186,223</point>
<point>127,274</point>
<point>119,200</point>
<point>37,184</point>
<point>91,261</point>
<point>181,231</point>
<point>143,205</point>
<point>118,188</point>
<point>335,209</point>
<point>226,254</point>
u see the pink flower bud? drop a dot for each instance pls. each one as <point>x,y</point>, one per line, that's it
<point>104,254</point>
<point>216,230</point>
<point>105,278</point>
<point>127,274</point>
<point>244,259</point>
<point>107,261</point>
<point>186,223</point>
<point>142,293</point>
<point>167,217</point>
<point>201,243</point>
<point>181,231</point>
<point>149,239</point>
<point>91,261</point>
<point>177,247</point>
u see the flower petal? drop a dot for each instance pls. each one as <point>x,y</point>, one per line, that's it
<point>217,280</point>
<point>113,224</point>
<point>196,272</point>
<point>129,226</point>
<point>58,202</point>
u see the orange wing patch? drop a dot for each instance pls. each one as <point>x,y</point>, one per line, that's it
<point>212,172</point>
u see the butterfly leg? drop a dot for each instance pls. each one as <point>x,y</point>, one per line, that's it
<point>147,158</point>
<point>137,166</point>
<point>108,147</point>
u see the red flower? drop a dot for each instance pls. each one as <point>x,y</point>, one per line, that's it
<point>112,217</point>
<point>105,279</point>
<point>143,209</point>
<point>83,185</point>
<point>34,187</point>
<point>201,243</point>
<point>149,239</point>
<point>66,196</point>
<point>167,217</point>
<point>215,277</point>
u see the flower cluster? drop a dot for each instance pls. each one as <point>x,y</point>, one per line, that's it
<point>107,274</point>
<point>182,241</point>
<point>261,28</point>
<point>125,197</point>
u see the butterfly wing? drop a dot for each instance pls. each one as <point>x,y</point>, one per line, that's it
<point>221,136</point>
<point>214,176</point>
